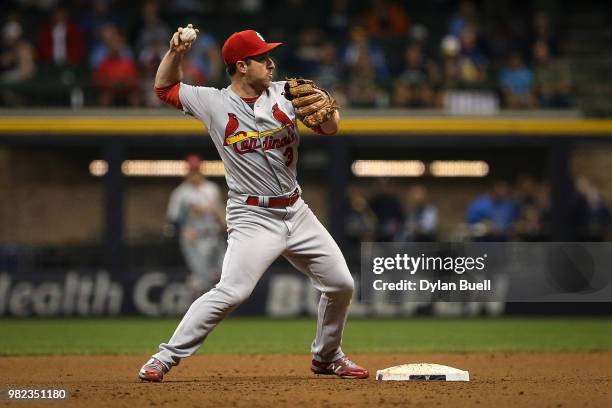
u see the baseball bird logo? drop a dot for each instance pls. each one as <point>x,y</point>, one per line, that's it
<point>282,117</point>
<point>231,127</point>
<point>247,142</point>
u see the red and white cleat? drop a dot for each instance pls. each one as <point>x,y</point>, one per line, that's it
<point>343,368</point>
<point>153,370</point>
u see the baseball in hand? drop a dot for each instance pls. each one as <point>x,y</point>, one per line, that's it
<point>188,34</point>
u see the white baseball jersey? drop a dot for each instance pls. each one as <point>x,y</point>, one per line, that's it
<point>258,145</point>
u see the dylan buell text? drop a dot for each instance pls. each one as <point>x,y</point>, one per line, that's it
<point>432,286</point>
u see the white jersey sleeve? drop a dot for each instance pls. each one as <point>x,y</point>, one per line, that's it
<point>196,101</point>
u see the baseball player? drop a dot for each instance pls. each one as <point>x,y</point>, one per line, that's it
<point>253,124</point>
<point>196,212</point>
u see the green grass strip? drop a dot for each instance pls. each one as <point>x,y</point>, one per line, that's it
<point>269,336</point>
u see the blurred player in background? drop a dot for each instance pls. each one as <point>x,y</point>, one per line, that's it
<point>196,211</point>
<point>421,222</point>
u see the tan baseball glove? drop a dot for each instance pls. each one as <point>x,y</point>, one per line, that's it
<point>312,104</point>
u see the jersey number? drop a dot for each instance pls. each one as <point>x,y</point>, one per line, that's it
<point>289,154</point>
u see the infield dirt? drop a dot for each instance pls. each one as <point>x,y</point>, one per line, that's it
<point>498,379</point>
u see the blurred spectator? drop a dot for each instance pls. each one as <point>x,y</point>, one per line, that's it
<point>366,66</point>
<point>328,73</point>
<point>517,83</point>
<point>415,85</point>
<point>61,41</point>
<point>362,89</point>
<point>192,71</point>
<point>387,208</point>
<point>360,220</point>
<point>467,15</point>
<point>396,61</point>
<point>95,18</point>
<point>201,66</point>
<point>596,223</point>
<point>533,205</point>
<point>338,19</point>
<point>109,34</point>
<point>552,78</point>
<point>491,217</point>
<point>418,35</point>
<point>116,77</point>
<point>307,52</point>
<point>421,222</point>
<point>149,60</point>
<point>16,55</point>
<point>17,64</point>
<point>150,26</point>
<point>473,60</point>
<point>529,226</point>
<point>528,192</point>
<point>451,65</point>
<point>361,50</point>
<point>206,56</point>
<point>541,31</point>
<point>386,19</point>
<point>500,41</point>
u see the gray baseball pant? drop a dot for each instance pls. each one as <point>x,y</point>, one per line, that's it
<point>257,236</point>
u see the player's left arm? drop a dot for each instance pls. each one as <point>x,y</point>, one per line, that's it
<point>314,106</point>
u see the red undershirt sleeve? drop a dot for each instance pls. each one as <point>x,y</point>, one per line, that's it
<point>170,95</point>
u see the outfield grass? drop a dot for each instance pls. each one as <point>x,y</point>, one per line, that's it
<point>268,336</point>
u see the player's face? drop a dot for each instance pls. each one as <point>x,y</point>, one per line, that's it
<point>260,71</point>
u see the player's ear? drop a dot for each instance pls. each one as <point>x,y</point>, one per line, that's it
<point>241,66</point>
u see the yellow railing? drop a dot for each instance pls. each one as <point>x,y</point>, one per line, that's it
<point>374,125</point>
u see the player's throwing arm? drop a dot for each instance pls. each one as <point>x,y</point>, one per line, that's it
<point>169,71</point>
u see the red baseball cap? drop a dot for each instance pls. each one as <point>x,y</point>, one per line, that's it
<point>245,44</point>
